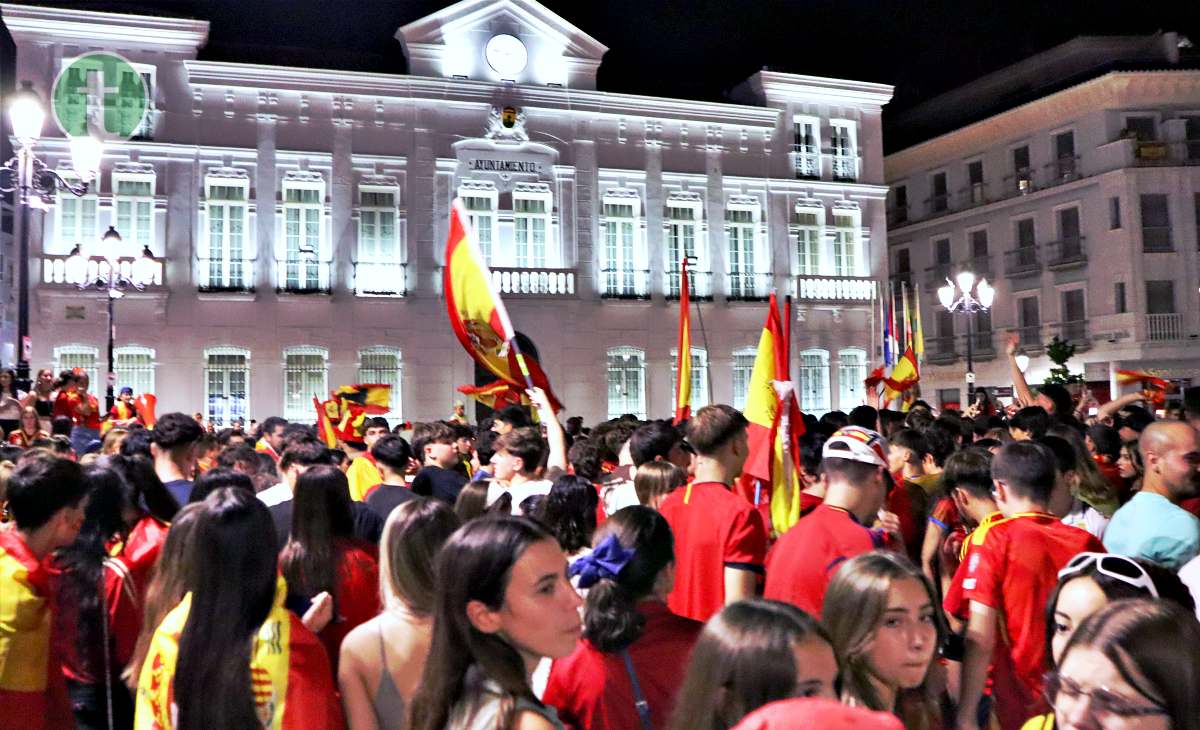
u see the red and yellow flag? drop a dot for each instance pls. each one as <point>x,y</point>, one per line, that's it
<point>771,477</point>
<point>683,370</point>
<point>477,314</point>
<point>495,395</point>
<point>1154,388</point>
<point>904,376</point>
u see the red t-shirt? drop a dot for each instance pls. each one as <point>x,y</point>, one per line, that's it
<point>804,560</point>
<point>592,691</point>
<point>1013,570</point>
<point>124,618</point>
<point>954,602</point>
<point>809,502</point>
<point>714,529</point>
<point>356,596</point>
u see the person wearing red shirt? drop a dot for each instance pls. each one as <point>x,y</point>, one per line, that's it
<point>632,645</point>
<point>969,481</point>
<point>45,499</point>
<point>804,560</point>
<point>720,539</point>
<point>1009,576</point>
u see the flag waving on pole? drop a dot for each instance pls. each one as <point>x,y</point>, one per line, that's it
<point>477,315</point>
<point>683,370</point>
<point>918,332</point>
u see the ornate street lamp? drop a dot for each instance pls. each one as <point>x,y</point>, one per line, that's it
<point>106,273</point>
<point>36,185</point>
<point>967,296</point>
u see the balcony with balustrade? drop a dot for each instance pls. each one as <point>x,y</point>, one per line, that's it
<point>941,350</point>
<point>528,282</point>
<point>833,289</point>
<point>624,284</point>
<point>1066,253</point>
<point>1063,170</point>
<point>302,276</point>
<point>845,168</point>
<point>806,162</point>
<point>54,270</point>
<point>700,283</point>
<point>380,279</point>
<point>752,286</point>
<point>1030,338</point>
<point>1164,327</point>
<point>1022,261</point>
<point>1075,332</point>
<point>937,274</point>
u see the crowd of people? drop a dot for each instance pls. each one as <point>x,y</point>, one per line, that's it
<point>1031,568</point>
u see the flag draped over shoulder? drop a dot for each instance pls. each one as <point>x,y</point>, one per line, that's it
<point>478,317</point>
<point>771,474</point>
<point>683,370</point>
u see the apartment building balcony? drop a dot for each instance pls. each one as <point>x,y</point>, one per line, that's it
<point>302,276</point>
<point>973,195</point>
<point>1162,154</point>
<point>833,289</point>
<point>1020,182</point>
<point>938,205</point>
<point>1022,261</point>
<point>937,274</point>
<point>624,284</point>
<point>539,282</point>
<point>700,281</point>
<point>1066,253</point>
<point>897,216</point>
<point>380,279</point>
<point>896,278</point>
<point>1164,327</point>
<point>226,276</point>
<point>748,286</point>
<point>980,266</point>
<point>806,161</point>
<point>1076,333</point>
<point>845,168</point>
<point>1030,338</point>
<point>1063,170</point>
<point>941,350</point>
<point>54,270</point>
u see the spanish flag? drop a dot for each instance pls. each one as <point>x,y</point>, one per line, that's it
<point>327,413</point>
<point>769,480</point>
<point>683,371</point>
<point>904,376</point>
<point>495,395</point>
<point>290,674</point>
<point>477,315</point>
<point>373,398</point>
<point>1154,388</point>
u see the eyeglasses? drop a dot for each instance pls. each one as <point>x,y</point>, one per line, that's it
<point>1117,567</point>
<point>1104,702</point>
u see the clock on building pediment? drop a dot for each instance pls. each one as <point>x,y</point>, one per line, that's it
<point>518,41</point>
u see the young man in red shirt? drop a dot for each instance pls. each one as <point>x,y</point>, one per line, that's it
<point>1009,575</point>
<point>720,539</point>
<point>804,560</point>
<point>46,499</point>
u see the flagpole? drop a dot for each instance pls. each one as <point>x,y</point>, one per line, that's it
<point>787,334</point>
<point>703,333</point>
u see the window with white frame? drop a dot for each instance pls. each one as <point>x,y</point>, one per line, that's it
<point>480,200</point>
<point>844,146</point>
<point>806,147</point>
<point>626,382</point>
<point>226,384</point>
<point>133,206</point>
<point>684,213</point>
<point>852,371</point>
<point>814,381</point>
<point>623,258</point>
<point>305,375</point>
<point>699,395</point>
<point>302,263</point>
<point>809,222</point>
<point>531,226</point>
<point>75,218</point>
<point>223,260</point>
<point>846,243</point>
<point>83,357</point>
<point>741,226</point>
<point>382,365</point>
<point>134,367</point>
<point>380,267</point>
<point>743,368</point>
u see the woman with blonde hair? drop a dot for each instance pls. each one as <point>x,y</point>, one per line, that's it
<point>654,480</point>
<point>881,614</point>
<point>29,430</point>
<point>382,659</point>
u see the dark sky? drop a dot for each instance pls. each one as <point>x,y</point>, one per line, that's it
<point>700,48</point>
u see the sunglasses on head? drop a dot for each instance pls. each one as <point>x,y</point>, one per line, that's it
<point>1117,567</point>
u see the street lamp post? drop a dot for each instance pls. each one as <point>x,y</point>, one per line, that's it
<point>966,296</point>
<point>105,274</point>
<point>35,185</point>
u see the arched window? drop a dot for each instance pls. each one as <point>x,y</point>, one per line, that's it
<point>626,382</point>
<point>227,384</point>
<point>700,395</point>
<point>382,365</point>
<point>305,375</point>
<point>852,371</point>
<point>743,367</point>
<point>814,381</point>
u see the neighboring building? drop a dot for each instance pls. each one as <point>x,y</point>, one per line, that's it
<point>302,214</point>
<point>1071,181</point>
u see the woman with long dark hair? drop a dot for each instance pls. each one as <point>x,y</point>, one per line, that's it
<point>631,643</point>
<point>98,604</point>
<point>322,555</point>
<point>381,661</point>
<point>230,655</point>
<point>29,429</point>
<point>10,400</point>
<point>503,603</point>
<point>569,511</point>
<point>139,547</point>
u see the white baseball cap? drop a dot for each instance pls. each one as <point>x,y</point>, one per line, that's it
<point>857,444</point>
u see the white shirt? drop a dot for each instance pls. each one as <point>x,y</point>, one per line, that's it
<point>277,494</point>
<point>519,492</point>
<point>1190,575</point>
<point>618,495</point>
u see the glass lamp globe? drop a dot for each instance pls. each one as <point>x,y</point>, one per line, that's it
<point>946,296</point>
<point>26,114</point>
<point>966,280</point>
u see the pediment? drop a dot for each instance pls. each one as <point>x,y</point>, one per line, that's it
<point>453,42</point>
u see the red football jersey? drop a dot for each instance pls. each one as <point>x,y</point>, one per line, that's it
<point>1013,570</point>
<point>714,529</point>
<point>804,560</point>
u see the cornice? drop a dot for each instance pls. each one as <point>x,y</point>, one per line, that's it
<point>475,13</point>
<point>785,87</point>
<point>38,24</point>
<point>1113,90</point>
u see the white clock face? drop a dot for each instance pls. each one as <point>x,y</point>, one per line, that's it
<point>506,55</point>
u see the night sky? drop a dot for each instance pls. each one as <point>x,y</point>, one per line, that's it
<point>701,48</point>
